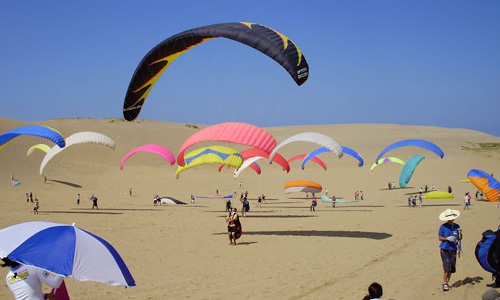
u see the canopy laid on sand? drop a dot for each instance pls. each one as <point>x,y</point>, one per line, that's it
<point>261,38</point>
<point>327,199</point>
<point>437,195</point>
<point>302,186</point>
<point>170,200</point>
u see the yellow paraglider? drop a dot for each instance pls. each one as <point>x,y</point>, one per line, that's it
<point>211,155</point>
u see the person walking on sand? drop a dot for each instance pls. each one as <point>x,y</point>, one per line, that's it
<point>334,201</point>
<point>449,235</point>
<point>130,192</point>
<point>314,202</point>
<point>31,197</point>
<point>27,198</point>
<point>78,199</point>
<point>94,202</point>
<point>232,222</point>
<point>192,198</point>
<point>259,202</point>
<point>466,201</point>
<point>228,205</point>
<point>35,206</point>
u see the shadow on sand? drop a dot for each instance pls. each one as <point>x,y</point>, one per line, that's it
<point>88,212</point>
<point>323,233</point>
<point>65,182</point>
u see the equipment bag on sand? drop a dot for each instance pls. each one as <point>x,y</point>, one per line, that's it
<point>488,253</point>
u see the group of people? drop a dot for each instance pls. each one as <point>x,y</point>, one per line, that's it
<point>36,203</point>
<point>358,195</point>
<point>412,200</point>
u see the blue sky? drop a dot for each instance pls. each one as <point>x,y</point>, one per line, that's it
<point>433,63</point>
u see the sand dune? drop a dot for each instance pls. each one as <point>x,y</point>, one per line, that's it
<point>286,251</point>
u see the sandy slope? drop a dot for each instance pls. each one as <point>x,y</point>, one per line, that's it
<point>286,252</point>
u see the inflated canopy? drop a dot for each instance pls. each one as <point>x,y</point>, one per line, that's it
<point>152,148</point>
<point>35,130</point>
<point>248,163</point>
<point>386,160</point>
<point>413,142</point>
<point>84,137</point>
<point>346,150</point>
<point>486,184</point>
<point>253,152</point>
<point>232,132</point>
<point>408,170</point>
<point>261,38</point>
<point>42,147</point>
<point>311,137</point>
<point>302,186</point>
<point>313,159</point>
<point>211,155</point>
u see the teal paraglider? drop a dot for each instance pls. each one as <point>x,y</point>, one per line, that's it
<point>408,170</point>
<point>35,130</point>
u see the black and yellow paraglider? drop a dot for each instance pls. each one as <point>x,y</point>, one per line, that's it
<point>264,39</point>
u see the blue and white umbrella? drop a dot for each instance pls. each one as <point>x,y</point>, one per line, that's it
<point>66,250</point>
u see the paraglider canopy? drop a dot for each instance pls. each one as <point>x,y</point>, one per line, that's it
<point>302,186</point>
<point>486,184</point>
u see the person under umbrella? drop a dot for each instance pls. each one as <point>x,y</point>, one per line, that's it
<point>25,282</point>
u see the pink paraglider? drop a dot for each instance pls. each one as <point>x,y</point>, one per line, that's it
<point>153,148</point>
<point>252,152</point>
<point>314,159</point>
<point>232,132</point>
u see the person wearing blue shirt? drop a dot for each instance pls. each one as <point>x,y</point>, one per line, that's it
<point>449,235</point>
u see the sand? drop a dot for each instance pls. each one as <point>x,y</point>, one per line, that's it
<point>286,251</point>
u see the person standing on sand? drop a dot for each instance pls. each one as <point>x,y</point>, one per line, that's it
<point>449,235</point>
<point>35,206</point>
<point>232,220</point>
<point>31,197</point>
<point>25,282</point>
<point>314,202</point>
<point>334,201</point>
<point>27,198</point>
<point>78,199</point>
<point>94,202</point>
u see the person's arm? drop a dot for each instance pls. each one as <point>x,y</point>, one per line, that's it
<point>52,281</point>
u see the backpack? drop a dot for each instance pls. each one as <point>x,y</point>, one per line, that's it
<point>488,253</point>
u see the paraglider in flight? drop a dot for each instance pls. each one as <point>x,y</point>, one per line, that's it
<point>346,150</point>
<point>211,155</point>
<point>413,142</point>
<point>313,159</point>
<point>153,148</point>
<point>408,170</point>
<point>43,147</point>
<point>386,160</point>
<point>486,184</point>
<point>312,137</point>
<point>302,186</point>
<point>35,130</point>
<point>232,132</point>
<point>83,137</point>
<point>264,39</point>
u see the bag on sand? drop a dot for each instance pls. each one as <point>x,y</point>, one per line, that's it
<point>488,253</point>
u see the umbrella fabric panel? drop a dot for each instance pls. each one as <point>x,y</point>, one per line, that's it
<point>14,235</point>
<point>52,249</point>
<point>93,253</point>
